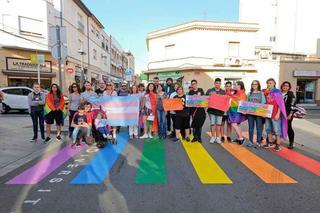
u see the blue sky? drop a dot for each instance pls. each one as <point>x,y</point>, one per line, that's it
<point>131,20</point>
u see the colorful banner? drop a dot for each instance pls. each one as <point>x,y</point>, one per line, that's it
<point>219,102</point>
<point>197,101</point>
<point>172,104</point>
<point>120,110</point>
<point>263,110</point>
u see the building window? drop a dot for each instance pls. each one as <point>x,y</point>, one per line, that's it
<point>272,39</point>
<point>30,26</point>
<point>234,49</point>
<point>80,44</point>
<point>80,23</point>
<point>93,29</point>
<point>95,54</point>
<point>97,34</point>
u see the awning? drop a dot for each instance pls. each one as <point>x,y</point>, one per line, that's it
<point>28,74</point>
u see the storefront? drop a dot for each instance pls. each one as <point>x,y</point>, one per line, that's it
<point>306,89</point>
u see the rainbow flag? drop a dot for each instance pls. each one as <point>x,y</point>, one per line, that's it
<point>49,105</point>
<point>263,110</point>
<point>197,101</point>
<point>120,110</point>
<point>233,115</point>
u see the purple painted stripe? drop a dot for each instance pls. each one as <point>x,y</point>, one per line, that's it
<point>45,167</point>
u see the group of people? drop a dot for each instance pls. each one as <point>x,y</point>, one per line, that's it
<point>153,119</point>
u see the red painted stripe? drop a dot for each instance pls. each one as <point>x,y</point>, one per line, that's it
<point>122,116</point>
<point>301,160</point>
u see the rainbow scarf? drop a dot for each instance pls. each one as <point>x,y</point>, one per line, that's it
<point>233,115</point>
<point>49,105</point>
<point>277,96</point>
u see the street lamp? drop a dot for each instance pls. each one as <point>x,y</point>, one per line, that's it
<point>82,53</point>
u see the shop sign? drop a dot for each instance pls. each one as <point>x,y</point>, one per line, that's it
<point>171,74</point>
<point>306,73</point>
<point>19,64</point>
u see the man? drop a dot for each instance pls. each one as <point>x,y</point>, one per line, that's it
<point>168,89</point>
<point>123,91</point>
<point>228,90</point>
<point>36,101</point>
<point>102,88</point>
<point>156,81</point>
<point>87,92</point>
<point>214,114</point>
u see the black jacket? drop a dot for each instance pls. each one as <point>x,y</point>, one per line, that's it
<point>290,101</point>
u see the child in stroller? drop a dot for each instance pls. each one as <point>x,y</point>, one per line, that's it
<point>100,130</point>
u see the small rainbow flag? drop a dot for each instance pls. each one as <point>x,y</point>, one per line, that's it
<point>197,101</point>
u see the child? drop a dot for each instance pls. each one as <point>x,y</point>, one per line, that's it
<point>101,125</point>
<point>80,125</point>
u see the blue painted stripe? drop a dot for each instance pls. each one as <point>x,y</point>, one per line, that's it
<point>99,167</point>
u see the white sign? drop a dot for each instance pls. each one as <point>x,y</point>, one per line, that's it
<point>303,73</point>
<point>41,59</point>
<point>20,64</point>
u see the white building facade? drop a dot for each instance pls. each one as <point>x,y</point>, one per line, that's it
<point>205,50</point>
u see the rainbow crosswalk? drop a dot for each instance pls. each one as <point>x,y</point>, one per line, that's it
<point>152,167</point>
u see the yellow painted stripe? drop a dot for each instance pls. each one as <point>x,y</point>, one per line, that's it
<point>265,171</point>
<point>207,169</point>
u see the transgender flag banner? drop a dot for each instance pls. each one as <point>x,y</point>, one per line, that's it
<point>120,110</point>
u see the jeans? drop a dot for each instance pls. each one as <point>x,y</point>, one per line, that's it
<point>133,130</point>
<point>71,114</point>
<point>37,118</point>
<point>76,130</point>
<point>273,126</point>
<point>103,130</point>
<point>255,120</point>
<point>162,123</point>
<point>197,133</point>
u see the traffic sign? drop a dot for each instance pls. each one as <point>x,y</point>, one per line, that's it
<point>69,70</point>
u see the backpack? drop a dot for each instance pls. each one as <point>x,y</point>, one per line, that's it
<point>298,112</point>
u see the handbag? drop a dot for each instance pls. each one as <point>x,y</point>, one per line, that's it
<point>150,117</point>
<point>298,112</point>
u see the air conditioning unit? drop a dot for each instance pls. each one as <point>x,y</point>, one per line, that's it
<point>234,62</point>
<point>264,54</point>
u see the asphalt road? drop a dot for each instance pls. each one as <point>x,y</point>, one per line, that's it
<point>183,191</point>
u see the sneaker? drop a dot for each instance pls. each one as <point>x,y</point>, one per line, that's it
<point>199,140</point>
<point>250,144</point>
<point>257,146</point>
<point>222,139</point>
<point>187,139</point>
<point>229,139</point>
<point>277,148</point>
<point>194,140</point>
<point>290,147</point>
<point>47,139</point>
<point>150,135</point>
<point>241,141</point>
<point>267,146</point>
<point>105,136</point>
<point>218,140</point>
<point>131,136</point>
<point>176,140</point>
<point>235,141</point>
<point>59,138</point>
<point>78,144</point>
<point>34,139</point>
<point>144,136</point>
<point>43,139</point>
<point>212,140</point>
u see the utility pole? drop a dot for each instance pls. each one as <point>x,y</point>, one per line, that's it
<point>59,56</point>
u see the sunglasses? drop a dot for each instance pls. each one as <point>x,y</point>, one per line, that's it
<point>254,84</point>
<point>109,85</point>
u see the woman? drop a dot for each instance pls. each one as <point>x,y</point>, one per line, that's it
<point>229,91</point>
<point>289,101</point>
<point>182,117</point>
<point>256,96</point>
<point>74,103</point>
<point>161,114</point>
<point>149,110</point>
<point>277,124</point>
<point>234,117</point>
<point>54,110</point>
<point>173,113</point>
<point>198,114</point>
<point>141,92</point>
<point>133,130</point>
<point>87,92</point>
<point>109,91</point>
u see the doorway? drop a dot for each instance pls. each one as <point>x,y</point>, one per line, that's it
<point>306,91</point>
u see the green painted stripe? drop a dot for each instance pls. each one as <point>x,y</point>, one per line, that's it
<point>152,167</point>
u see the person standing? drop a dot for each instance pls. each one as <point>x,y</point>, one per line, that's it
<point>141,92</point>
<point>198,114</point>
<point>133,130</point>
<point>87,92</point>
<point>156,81</point>
<point>36,101</point>
<point>149,110</point>
<point>215,115</point>
<point>289,101</point>
<point>182,118</point>
<point>161,114</point>
<point>74,103</point>
<point>277,124</point>
<point>228,91</point>
<point>168,89</point>
<point>173,113</point>
<point>109,91</point>
<point>101,89</point>
<point>123,91</point>
<point>234,117</point>
<point>54,110</point>
<point>256,96</point>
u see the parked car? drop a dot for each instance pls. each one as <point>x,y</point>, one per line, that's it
<point>16,98</point>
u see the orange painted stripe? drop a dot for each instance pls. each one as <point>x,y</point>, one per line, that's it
<point>264,170</point>
<point>300,160</point>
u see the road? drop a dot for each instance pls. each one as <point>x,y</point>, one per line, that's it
<point>184,183</point>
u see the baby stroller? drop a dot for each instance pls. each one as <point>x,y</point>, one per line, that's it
<point>100,140</point>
